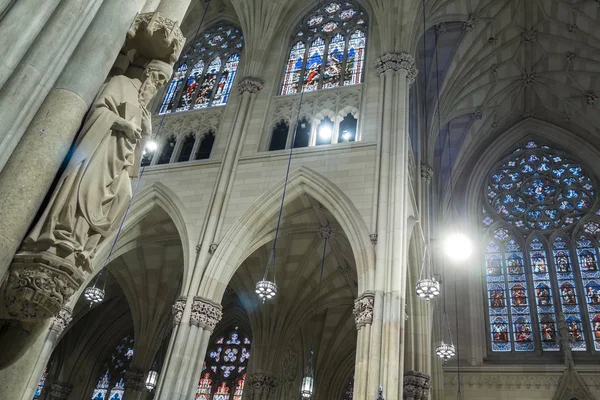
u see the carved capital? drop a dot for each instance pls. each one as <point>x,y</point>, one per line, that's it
<point>363,309</point>
<point>262,383</point>
<point>471,23</point>
<point>397,62</point>
<point>426,172</point>
<point>177,310</point>
<point>61,320</point>
<point>134,380</point>
<point>416,386</point>
<point>155,37</point>
<point>373,239</point>
<point>60,391</point>
<point>205,314</point>
<point>39,284</point>
<point>250,85</point>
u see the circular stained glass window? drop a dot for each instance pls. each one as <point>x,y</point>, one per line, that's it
<point>538,188</point>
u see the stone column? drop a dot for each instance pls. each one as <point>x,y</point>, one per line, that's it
<point>397,71</point>
<point>60,391</point>
<point>363,317</point>
<point>261,386</point>
<point>184,361</point>
<point>416,386</point>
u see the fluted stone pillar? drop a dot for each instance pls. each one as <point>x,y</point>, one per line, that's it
<point>261,386</point>
<point>416,386</point>
<point>397,72</point>
<point>60,391</point>
<point>363,318</point>
<point>184,360</point>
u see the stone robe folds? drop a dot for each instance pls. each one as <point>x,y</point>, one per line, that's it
<point>95,189</point>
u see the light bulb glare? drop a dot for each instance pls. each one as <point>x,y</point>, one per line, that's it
<point>151,146</point>
<point>325,132</point>
<point>458,247</point>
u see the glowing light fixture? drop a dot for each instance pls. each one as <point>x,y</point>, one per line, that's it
<point>428,288</point>
<point>308,381</point>
<point>445,351</point>
<point>266,290</point>
<point>325,132</point>
<point>94,294</point>
<point>151,380</point>
<point>151,146</point>
<point>458,247</point>
<point>346,136</point>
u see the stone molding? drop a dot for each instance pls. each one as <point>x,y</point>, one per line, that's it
<point>261,383</point>
<point>250,85</point>
<point>416,386</point>
<point>363,309</point>
<point>177,310</point>
<point>499,381</point>
<point>397,62</point>
<point>155,37</point>
<point>134,380</point>
<point>60,391</point>
<point>61,320</point>
<point>426,172</point>
<point>205,314</point>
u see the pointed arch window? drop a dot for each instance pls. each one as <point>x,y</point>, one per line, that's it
<point>205,72</point>
<point>542,256</point>
<point>224,370</point>
<point>111,384</point>
<point>40,386</point>
<point>328,49</point>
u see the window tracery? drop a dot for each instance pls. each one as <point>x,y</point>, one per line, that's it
<point>111,384</point>
<point>328,49</point>
<point>206,71</point>
<point>542,255</point>
<point>224,371</point>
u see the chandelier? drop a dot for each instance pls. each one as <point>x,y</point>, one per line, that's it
<point>445,351</point>
<point>94,294</point>
<point>428,288</point>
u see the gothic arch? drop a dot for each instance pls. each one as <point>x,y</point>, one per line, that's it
<point>239,242</point>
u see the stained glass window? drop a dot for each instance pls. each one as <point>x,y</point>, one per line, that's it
<point>541,197</point>
<point>111,384</point>
<point>215,59</point>
<point>224,370</point>
<point>328,49</point>
<point>40,386</point>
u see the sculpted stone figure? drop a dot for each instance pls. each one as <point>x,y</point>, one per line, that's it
<point>90,198</point>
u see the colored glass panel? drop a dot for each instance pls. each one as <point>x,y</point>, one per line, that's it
<point>168,103</point>
<point>293,69</point>
<point>333,65</point>
<point>517,284</point>
<point>497,299</point>
<point>185,101</point>
<point>40,386</point>
<point>314,63</point>
<point>226,80</point>
<point>590,276</point>
<point>114,371</point>
<point>543,294</point>
<point>568,292</point>
<point>208,84</point>
<point>355,58</point>
<point>117,392</point>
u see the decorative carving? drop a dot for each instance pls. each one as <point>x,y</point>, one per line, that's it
<point>155,37</point>
<point>471,23</point>
<point>90,200</point>
<point>426,172</point>
<point>198,248</point>
<point>416,386</point>
<point>499,381</point>
<point>60,391</point>
<point>289,366</point>
<point>528,78</point>
<point>492,40</point>
<point>213,247</point>
<point>325,232</point>
<point>196,121</point>
<point>205,314</point>
<point>262,383</point>
<point>571,28</point>
<point>380,393</point>
<point>570,57</point>
<point>134,380</point>
<point>478,114</point>
<point>397,62</point>
<point>529,36</point>
<point>250,85</point>
<point>590,98</point>
<point>567,117</point>
<point>373,238</point>
<point>363,309</point>
<point>441,28</point>
<point>61,320</point>
<point>177,310</point>
<point>344,270</point>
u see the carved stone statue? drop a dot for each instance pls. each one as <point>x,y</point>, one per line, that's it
<point>90,198</point>
<point>565,339</point>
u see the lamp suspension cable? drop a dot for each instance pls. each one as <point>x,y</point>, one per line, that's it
<point>94,294</point>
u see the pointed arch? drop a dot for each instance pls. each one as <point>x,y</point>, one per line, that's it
<point>243,237</point>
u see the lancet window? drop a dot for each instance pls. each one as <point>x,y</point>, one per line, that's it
<point>40,386</point>
<point>224,370</point>
<point>327,50</point>
<point>111,383</point>
<point>205,72</point>
<point>541,256</point>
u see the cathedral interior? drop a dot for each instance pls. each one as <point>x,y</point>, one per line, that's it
<point>285,199</point>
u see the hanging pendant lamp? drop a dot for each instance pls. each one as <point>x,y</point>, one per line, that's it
<point>94,294</point>
<point>308,381</point>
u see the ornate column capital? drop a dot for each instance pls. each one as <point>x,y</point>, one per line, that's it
<point>250,85</point>
<point>397,62</point>
<point>60,391</point>
<point>177,310</point>
<point>426,172</point>
<point>61,320</point>
<point>134,380</point>
<point>155,37</point>
<point>206,314</point>
<point>363,309</point>
<point>416,386</point>
<point>261,383</point>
